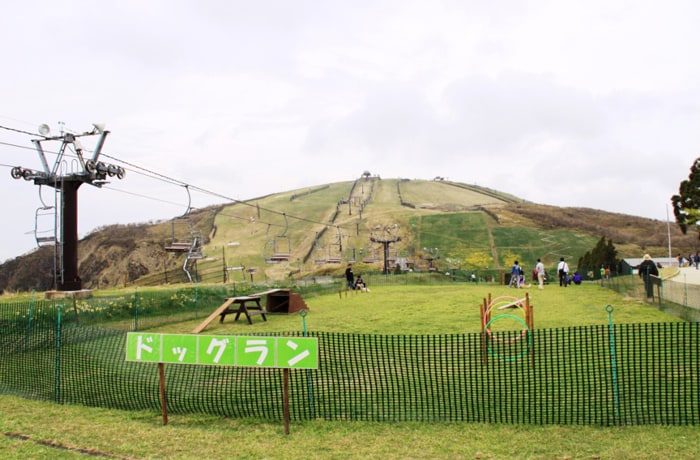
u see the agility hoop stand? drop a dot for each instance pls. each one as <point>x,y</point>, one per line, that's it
<point>490,306</point>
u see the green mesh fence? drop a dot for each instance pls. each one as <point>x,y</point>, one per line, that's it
<point>627,374</point>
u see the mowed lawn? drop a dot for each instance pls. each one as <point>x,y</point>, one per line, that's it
<point>33,429</point>
<point>40,430</point>
<point>448,309</point>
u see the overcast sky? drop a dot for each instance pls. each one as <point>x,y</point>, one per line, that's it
<point>587,103</point>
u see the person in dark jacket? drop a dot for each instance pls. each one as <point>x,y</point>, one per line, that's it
<point>647,270</point>
<point>360,284</point>
<point>350,277</point>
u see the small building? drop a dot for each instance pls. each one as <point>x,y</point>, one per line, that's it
<point>629,266</point>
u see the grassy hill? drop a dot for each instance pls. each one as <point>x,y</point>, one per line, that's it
<point>325,227</point>
<point>317,230</point>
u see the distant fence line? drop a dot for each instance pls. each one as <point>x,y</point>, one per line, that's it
<point>617,374</point>
<point>681,293</point>
<point>375,274</point>
<point>676,297</point>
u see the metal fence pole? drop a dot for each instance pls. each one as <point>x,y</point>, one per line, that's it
<point>57,368</point>
<point>613,363</point>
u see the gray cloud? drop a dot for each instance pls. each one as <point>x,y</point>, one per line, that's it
<point>563,103</point>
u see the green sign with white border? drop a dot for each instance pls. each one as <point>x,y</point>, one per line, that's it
<point>241,351</point>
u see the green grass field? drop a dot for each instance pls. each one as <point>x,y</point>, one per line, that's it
<point>33,429</point>
<point>39,430</point>
<point>442,309</point>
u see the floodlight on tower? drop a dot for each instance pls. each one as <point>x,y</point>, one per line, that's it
<point>44,129</point>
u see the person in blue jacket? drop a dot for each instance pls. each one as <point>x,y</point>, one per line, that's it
<point>515,275</point>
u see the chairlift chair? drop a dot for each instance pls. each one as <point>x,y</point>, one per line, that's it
<point>191,245</point>
<point>281,248</point>
<point>335,250</point>
<point>177,242</point>
<point>335,256</point>
<point>371,257</point>
<point>318,249</point>
<point>183,241</point>
<point>45,237</point>
<point>278,248</point>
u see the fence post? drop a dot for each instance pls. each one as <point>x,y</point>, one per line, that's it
<point>685,290</point>
<point>530,321</point>
<point>57,367</point>
<point>136,308</point>
<point>483,317</point>
<point>613,364</point>
<point>196,299</point>
<point>309,383</point>
<point>30,319</point>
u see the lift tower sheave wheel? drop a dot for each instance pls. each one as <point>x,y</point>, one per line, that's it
<point>68,182</point>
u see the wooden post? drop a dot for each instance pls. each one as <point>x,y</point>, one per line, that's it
<point>165,268</point>
<point>223,257</point>
<point>285,398</point>
<point>163,399</point>
<point>529,320</point>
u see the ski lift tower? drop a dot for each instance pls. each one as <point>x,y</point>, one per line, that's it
<point>385,238</point>
<point>66,176</point>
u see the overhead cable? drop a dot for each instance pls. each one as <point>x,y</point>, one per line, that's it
<point>159,176</point>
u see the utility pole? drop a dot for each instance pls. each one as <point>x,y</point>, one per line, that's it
<point>66,176</point>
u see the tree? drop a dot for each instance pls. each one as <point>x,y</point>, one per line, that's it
<point>686,205</point>
<point>603,255</point>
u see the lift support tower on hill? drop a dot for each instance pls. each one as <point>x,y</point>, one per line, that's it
<point>70,170</point>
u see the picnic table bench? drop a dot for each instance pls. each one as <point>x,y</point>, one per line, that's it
<point>277,301</point>
<point>247,305</point>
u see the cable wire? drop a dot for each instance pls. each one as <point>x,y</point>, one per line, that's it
<point>21,131</point>
<point>159,176</point>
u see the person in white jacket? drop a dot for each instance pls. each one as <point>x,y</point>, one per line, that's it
<point>539,269</point>
<point>563,271</point>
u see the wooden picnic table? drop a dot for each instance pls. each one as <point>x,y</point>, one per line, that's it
<point>247,305</point>
<point>277,301</point>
